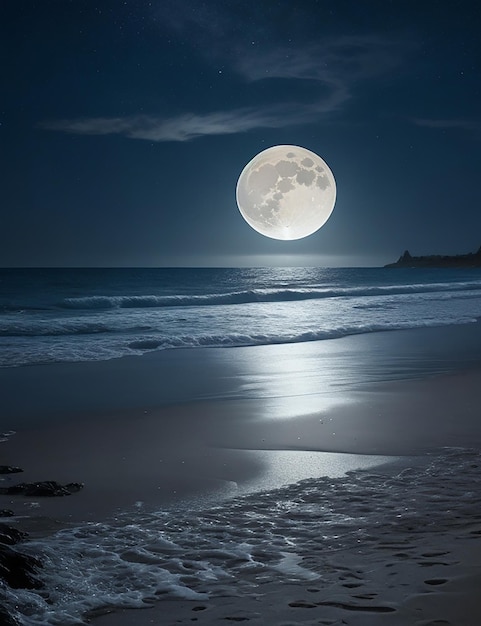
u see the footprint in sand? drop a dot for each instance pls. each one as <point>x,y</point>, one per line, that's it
<point>436,581</point>
<point>302,605</point>
<point>358,607</point>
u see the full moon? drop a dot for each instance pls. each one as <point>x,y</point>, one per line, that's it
<point>286,192</point>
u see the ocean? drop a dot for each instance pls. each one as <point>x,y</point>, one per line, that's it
<point>323,531</point>
<point>61,315</point>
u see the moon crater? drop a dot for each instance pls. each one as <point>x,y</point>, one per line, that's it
<point>286,192</point>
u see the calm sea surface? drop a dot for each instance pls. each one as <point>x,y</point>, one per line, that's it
<point>58,315</point>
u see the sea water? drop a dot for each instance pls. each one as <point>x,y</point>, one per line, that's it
<point>297,532</point>
<point>60,315</point>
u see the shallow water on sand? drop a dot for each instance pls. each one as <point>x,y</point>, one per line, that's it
<point>321,531</point>
<point>286,379</point>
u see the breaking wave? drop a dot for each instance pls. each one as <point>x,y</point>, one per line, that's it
<point>260,295</point>
<point>234,339</point>
<point>109,315</point>
<point>239,339</point>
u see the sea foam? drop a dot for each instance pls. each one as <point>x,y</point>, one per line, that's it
<point>260,295</point>
<point>294,533</point>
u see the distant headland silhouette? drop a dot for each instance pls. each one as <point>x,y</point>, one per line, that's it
<point>472,259</point>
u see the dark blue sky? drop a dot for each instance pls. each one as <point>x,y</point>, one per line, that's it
<point>124,126</point>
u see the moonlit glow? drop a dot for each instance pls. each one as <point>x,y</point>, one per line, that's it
<point>286,192</point>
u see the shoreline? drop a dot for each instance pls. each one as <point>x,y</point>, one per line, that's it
<point>62,391</point>
<point>208,423</point>
<point>314,411</point>
<point>176,453</point>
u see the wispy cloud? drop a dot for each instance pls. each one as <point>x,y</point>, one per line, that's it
<point>190,125</point>
<point>343,60</point>
<point>333,67</point>
<point>447,124</point>
<point>179,128</point>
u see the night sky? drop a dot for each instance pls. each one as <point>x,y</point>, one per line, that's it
<point>124,126</point>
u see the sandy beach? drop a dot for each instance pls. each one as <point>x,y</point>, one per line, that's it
<point>214,422</point>
<point>240,313</point>
<point>214,430</point>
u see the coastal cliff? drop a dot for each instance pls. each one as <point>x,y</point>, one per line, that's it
<point>472,259</point>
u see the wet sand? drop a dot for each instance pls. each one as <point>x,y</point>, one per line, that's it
<point>194,427</point>
<point>210,450</point>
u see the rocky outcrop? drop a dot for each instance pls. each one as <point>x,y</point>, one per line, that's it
<point>46,488</point>
<point>8,469</point>
<point>10,535</point>
<point>472,259</point>
<point>7,620</point>
<point>20,570</point>
<point>17,570</point>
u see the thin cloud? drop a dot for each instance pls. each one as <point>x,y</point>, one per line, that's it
<point>90,126</point>
<point>180,128</point>
<point>335,67</point>
<point>343,60</point>
<point>188,126</point>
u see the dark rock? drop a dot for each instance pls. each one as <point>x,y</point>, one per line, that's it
<point>74,487</point>
<point>19,570</point>
<point>10,535</point>
<point>46,488</point>
<point>6,513</point>
<point>472,259</point>
<point>8,469</point>
<point>6,619</point>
